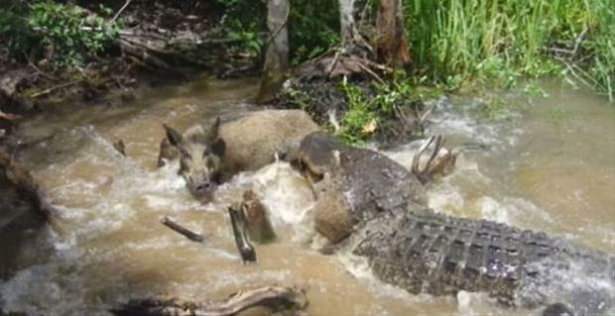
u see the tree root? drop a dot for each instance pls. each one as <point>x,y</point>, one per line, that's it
<point>340,62</point>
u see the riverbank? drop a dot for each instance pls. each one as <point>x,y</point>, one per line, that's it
<point>65,53</point>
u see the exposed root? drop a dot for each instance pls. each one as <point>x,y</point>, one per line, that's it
<point>339,63</point>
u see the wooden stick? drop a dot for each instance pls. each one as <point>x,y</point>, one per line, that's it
<point>277,298</point>
<point>120,147</point>
<point>238,222</point>
<point>168,222</point>
<point>49,90</point>
<point>117,15</point>
<point>9,116</point>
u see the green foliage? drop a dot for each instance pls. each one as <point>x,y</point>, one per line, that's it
<point>361,117</point>
<point>499,41</point>
<point>245,24</point>
<point>313,28</point>
<point>245,38</point>
<point>63,32</point>
<point>370,108</point>
<point>603,45</point>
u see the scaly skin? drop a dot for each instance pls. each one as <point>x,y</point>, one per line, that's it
<point>419,250</point>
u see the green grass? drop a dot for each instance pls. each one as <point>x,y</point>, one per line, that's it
<point>499,41</point>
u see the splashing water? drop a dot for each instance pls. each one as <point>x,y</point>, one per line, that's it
<point>109,245</point>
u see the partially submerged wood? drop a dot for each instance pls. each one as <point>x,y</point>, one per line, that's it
<point>239,226</point>
<point>275,298</point>
<point>168,222</point>
<point>256,217</point>
<point>120,147</point>
<point>440,162</point>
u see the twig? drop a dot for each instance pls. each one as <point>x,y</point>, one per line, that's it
<point>120,147</point>
<point>9,116</point>
<point>415,160</point>
<point>166,221</point>
<point>578,41</point>
<point>333,63</point>
<point>49,90</point>
<point>117,15</point>
<point>573,72</point>
<point>371,73</point>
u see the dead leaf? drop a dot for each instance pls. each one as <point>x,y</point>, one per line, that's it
<point>370,127</point>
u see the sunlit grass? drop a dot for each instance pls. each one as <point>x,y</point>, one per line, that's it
<point>498,41</point>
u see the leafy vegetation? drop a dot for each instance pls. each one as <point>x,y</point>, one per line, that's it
<point>486,43</point>
<point>489,41</point>
<point>369,108</point>
<point>64,33</point>
<point>483,42</point>
<point>313,26</point>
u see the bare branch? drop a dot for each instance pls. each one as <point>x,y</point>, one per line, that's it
<point>166,221</point>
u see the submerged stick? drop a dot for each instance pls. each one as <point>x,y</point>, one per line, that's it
<point>166,221</point>
<point>238,223</point>
<point>275,298</point>
<point>120,147</point>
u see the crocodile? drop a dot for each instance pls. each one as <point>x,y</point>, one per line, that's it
<point>378,209</point>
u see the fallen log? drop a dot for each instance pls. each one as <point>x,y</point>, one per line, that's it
<point>168,222</point>
<point>275,298</point>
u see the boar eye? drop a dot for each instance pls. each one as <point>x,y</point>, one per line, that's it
<point>205,153</point>
<point>185,154</point>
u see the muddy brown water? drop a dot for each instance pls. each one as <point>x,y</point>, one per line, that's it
<point>549,164</point>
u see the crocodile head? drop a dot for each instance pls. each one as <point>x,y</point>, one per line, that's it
<point>352,185</point>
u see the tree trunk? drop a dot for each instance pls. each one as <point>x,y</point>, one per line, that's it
<point>276,58</point>
<point>391,43</point>
<point>347,22</point>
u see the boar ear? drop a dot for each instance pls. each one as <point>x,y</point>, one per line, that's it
<point>174,137</point>
<point>218,147</point>
<point>214,131</point>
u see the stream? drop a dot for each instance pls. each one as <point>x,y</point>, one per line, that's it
<point>545,164</point>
